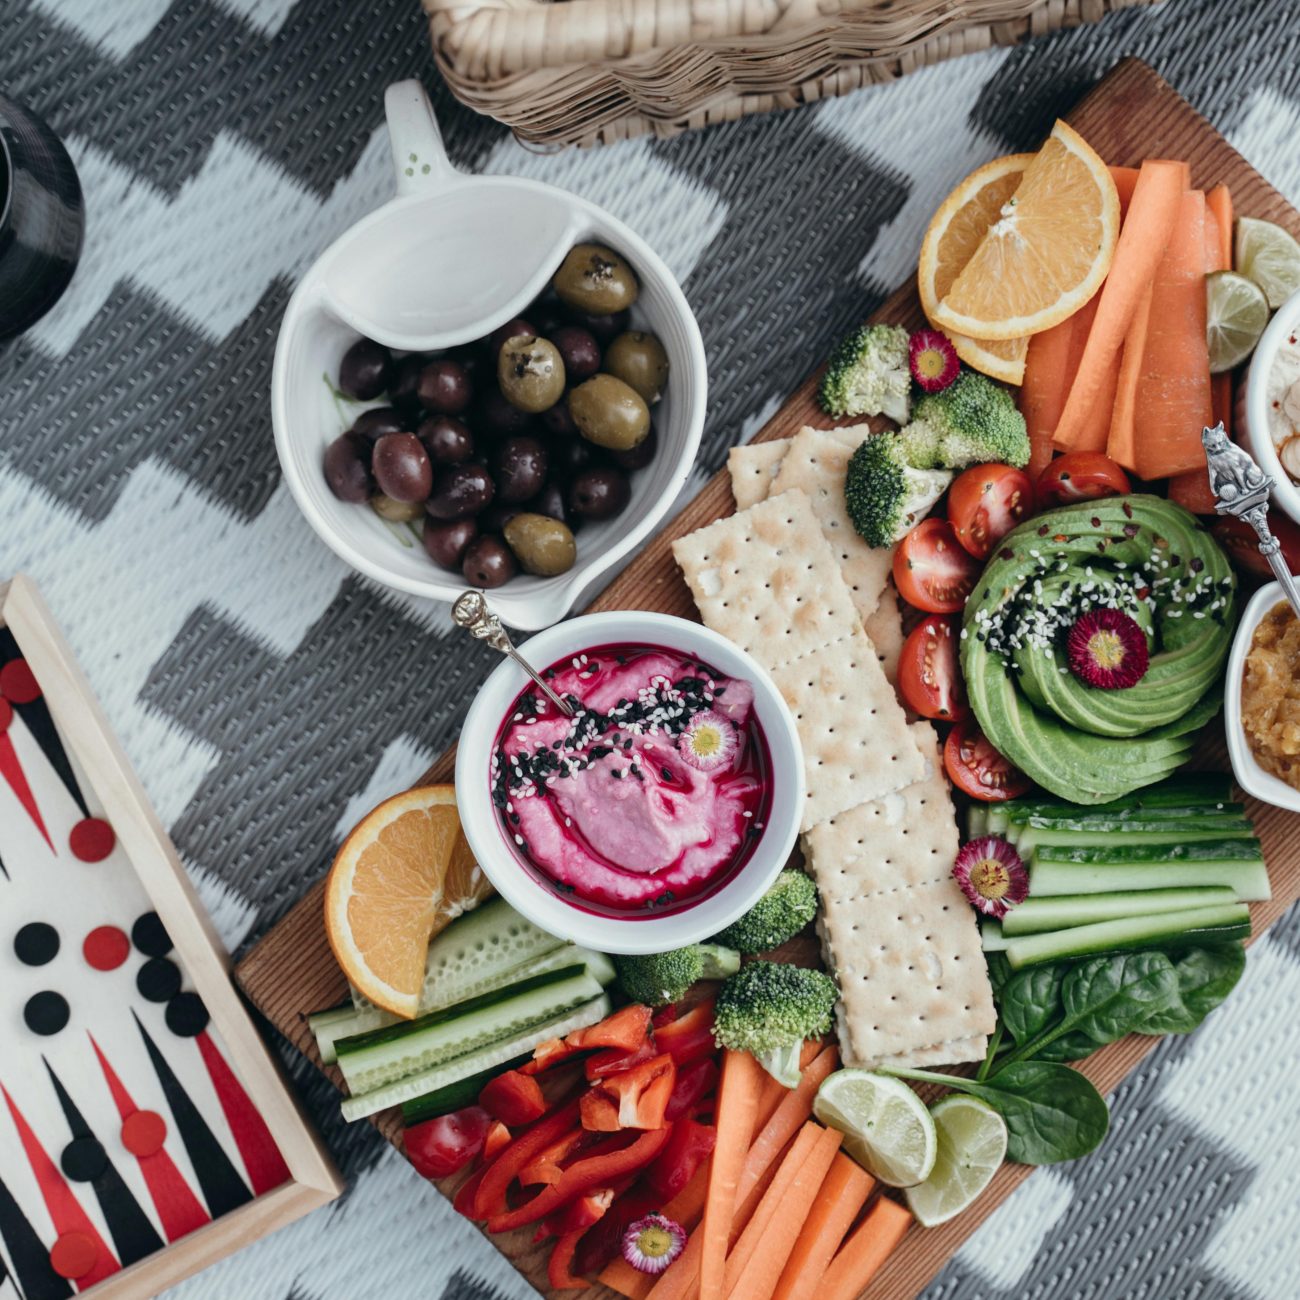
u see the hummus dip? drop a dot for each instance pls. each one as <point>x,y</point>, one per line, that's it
<point>1270,694</point>
<point>1283,397</point>
<point>654,793</point>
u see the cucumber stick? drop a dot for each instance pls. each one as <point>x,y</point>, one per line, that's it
<point>1197,927</point>
<point>1079,833</point>
<point>1036,915</point>
<point>1247,878</point>
<point>991,937</point>
<point>345,1022</point>
<point>485,1058</point>
<point>383,1056</point>
<point>455,1096</point>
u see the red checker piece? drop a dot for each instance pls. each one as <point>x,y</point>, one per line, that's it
<point>6,715</point>
<point>73,1255</point>
<point>91,839</point>
<point>106,947</point>
<point>144,1132</point>
<point>18,683</point>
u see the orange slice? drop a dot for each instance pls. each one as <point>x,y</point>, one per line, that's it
<point>955,232</point>
<point>1048,251</point>
<point>403,874</point>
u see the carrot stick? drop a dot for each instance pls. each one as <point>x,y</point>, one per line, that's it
<point>738,1093</point>
<point>1126,179</point>
<point>685,1208</point>
<point>865,1251</point>
<point>1173,402</point>
<point>1219,201</point>
<point>842,1195</point>
<point>1152,213</point>
<point>1121,442</point>
<point>1044,390</point>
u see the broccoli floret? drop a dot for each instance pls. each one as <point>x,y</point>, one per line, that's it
<point>659,978</point>
<point>868,375</point>
<point>885,495</point>
<point>779,915</point>
<point>971,422</point>
<point>769,1009</point>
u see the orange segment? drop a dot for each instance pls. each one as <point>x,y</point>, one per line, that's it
<point>1048,251</point>
<point>403,874</point>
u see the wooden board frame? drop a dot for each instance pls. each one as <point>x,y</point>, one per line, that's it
<point>1130,115</point>
<point>86,733</point>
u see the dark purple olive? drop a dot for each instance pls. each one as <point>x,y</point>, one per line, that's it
<point>366,370</point>
<point>377,421</point>
<point>557,420</point>
<point>497,339</point>
<point>580,351</point>
<point>599,494</point>
<point>570,456</point>
<point>606,327</point>
<point>461,491</point>
<point>347,468</point>
<point>448,542</point>
<point>406,379</point>
<point>402,467</point>
<point>445,387</point>
<point>640,455</point>
<point>497,516</point>
<point>489,562</point>
<point>550,502</point>
<point>447,440</point>
<point>519,467</point>
<point>548,315</point>
<point>497,416</point>
<point>470,356</point>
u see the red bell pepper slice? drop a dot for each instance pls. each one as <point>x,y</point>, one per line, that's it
<point>580,1213</point>
<point>664,1016</point>
<point>640,1094</point>
<point>463,1201</point>
<point>592,1171</point>
<point>613,1060</point>
<point>491,1196</point>
<point>547,1054</point>
<point>444,1145</point>
<point>689,1037</point>
<point>513,1098</point>
<point>559,1270</point>
<point>694,1084</point>
<point>498,1138</point>
<point>689,1147</point>
<point>546,1168</point>
<point>603,1242</point>
<point>599,1112</point>
<point>626,1029</point>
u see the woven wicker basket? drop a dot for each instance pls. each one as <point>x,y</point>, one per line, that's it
<point>584,71</point>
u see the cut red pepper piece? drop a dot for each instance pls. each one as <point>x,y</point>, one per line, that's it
<point>689,1147</point>
<point>546,1168</point>
<point>547,1054</point>
<point>444,1145</point>
<point>599,1112</point>
<point>602,1243</point>
<point>664,1016</point>
<point>498,1138</point>
<point>689,1037</point>
<point>491,1196</point>
<point>592,1171</point>
<point>695,1083</point>
<point>580,1213</point>
<point>559,1269</point>
<point>640,1094</point>
<point>614,1060</point>
<point>626,1029</point>
<point>513,1098</point>
<point>463,1202</point>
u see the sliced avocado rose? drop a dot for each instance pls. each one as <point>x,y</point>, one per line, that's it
<point>1143,556</point>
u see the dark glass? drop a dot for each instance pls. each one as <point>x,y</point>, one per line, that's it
<point>42,219</point>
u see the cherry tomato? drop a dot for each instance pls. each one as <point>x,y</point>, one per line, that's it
<point>928,675</point>
<point>1081,476</point>
<point>986,503</point>
<point>439,1147</point>
<point>932,570</point>
<point>1238,539</point>
<point>977,769</point>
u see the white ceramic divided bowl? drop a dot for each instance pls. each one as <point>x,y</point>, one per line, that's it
<point>644,933</point>
<point>1250,776</point>
<point>1255,405</point>
<point>446,261</point>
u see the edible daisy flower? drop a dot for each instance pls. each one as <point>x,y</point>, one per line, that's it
<point>709,741</point>
<point>1107,649</point>
<point>652,1243</point>
<point>932,360</point>
<point>991,875</point>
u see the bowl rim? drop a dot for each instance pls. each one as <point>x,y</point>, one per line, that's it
<point>552,598</point>
<point>640,933</point>
<point>1286,493</point>
<point>1252,778</point>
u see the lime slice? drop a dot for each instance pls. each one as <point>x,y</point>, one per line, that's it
<point>1236,316</point>
<point>1270,256</point>
<point>886,1126</point>
<point>972,1145</point>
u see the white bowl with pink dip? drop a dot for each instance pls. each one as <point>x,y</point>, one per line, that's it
<point>651,839</point>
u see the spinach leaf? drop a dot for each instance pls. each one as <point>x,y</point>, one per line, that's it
<point>1069,1047</point>
<point>1052,1112</point>
<point>1205,978</point>
<point>999,970</point>
<point>1031,1000</point>
<point>1108,997</point>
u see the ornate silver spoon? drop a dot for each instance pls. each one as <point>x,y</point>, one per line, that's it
<point>1242,489</point>
<point>472,613</point>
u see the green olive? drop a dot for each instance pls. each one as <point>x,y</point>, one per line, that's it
<point>396,512</point>
<point>609,413</point>
<point>639,360</point>
<point>531,373</point>
<point>595,280</point>
<point>542,545</point>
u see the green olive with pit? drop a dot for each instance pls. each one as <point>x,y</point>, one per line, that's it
<point>595,280</point>
<point>609,413</point>
<point>531,373</point>
<point>396,512</point>
<point>543,546</point>
<point>639,360</point>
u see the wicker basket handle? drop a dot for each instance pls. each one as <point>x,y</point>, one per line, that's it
<point>419,157</point>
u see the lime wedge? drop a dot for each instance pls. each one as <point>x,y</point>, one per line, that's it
<point>1237,312</point>
<point>972,1145</point>
<point>1270,256</point>
<point>886,1126</point>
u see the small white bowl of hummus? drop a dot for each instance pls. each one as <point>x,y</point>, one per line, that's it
<point>1272,404</point>
<point>660,811</point>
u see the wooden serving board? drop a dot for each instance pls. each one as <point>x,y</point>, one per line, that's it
<point>1130,115</point>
